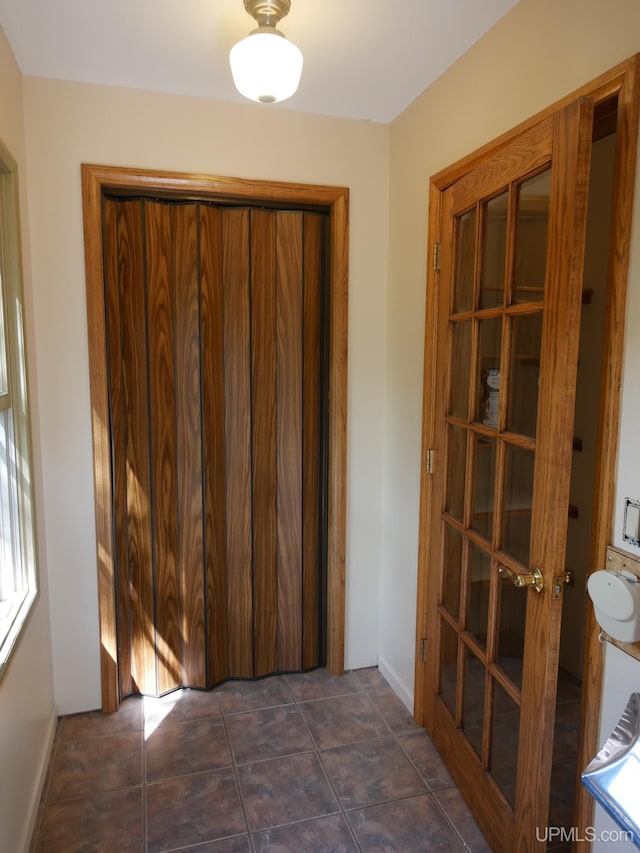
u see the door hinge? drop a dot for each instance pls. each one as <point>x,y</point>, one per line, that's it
<point>429,461</point>
<point>436,256</point>
<point>423,644</point>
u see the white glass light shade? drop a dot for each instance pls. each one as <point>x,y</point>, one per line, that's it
<point>266,67</point>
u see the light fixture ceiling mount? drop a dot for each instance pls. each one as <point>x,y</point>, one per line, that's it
<point>265,66</point>
<point>268,13</point>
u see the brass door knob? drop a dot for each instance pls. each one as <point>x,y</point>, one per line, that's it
<point>533,578</point>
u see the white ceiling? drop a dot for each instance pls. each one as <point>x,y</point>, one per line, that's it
<point>363,59</point>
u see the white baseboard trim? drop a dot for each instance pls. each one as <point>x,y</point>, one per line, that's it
<point>360,663</point>
<point>396,683</point>
<point>39,781</point>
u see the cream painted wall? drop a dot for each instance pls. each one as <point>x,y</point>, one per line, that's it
<point>67,124</point>
<point>539,52</point>
<point>27,713</point>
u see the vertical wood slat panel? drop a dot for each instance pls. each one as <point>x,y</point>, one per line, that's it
<point>263,374</point>
<point>289,438</point>
<point>312,364</point>
<point>118,453</point>
<point>269,466</point>
<point>189,441</point>
<point>163,442</point>
<point>238,439</point>
<point>214,441</point>
<point>134,363</point>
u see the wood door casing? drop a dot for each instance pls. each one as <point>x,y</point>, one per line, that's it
<point>98,180</point>
<point>618,88</point>
<point>214,437</point>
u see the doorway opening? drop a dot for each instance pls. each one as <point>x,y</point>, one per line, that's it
<point>566,769</point>
<point>216,346</point>
<point>99,182</point>
<point>606,107</point>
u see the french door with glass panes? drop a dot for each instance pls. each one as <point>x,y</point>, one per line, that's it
<point>499,425</point>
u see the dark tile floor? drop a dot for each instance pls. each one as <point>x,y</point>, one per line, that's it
<point>293,763</point>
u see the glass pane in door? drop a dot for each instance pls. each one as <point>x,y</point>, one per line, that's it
<point>526,338</point>
<point>531,238</point>
<point>489,390</point>
<point>505,731</point>
<point>456,467</point>
<point>459,370</point>
<point>451,570</point>
<point>478,596</point>
<point>473,703</point>
<point>494,251</point>
<point>465,262</point>
<point>484,473</point>
<point>448,666</point>
<point>512,611</point>
<point>518,498</point>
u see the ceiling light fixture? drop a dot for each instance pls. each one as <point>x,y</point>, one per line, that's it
<point>265,66</point>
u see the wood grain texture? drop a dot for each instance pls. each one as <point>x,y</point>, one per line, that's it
<point>337,473</point>
<point>214,441</point>
<point>235,251</point>
<point>138,476</point>
<point>427,580</point>
<point>556,406</point>
<point>163,443</point>
<point>623,82</point>
<point>92,202</point>
<point>289,438</point>
<point>118,435</point>
<point>528,153</point>
<point>603,88</point>
<point>570,145</point>
<point>463,763</point>
<point>263,412</point>
<point>313,387</point>
<point>184,247</point>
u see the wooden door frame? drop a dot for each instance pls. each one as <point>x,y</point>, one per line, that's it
<point>96,180</point>
<point>621,82</point>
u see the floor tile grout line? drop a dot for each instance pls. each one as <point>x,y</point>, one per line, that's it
<point>194,848</point>
<point>432,790</point>
<point>316,749</point>
<point>428,792</point>
<point>255,710</point>
<point>199,845</point>
<point>313,750</point>
<point>390,735</point>
<point>236,776</point>
<point>444,812</point>
<point>100,792</point>
<point>296,822</point>
<point>327,776</point>
<point>361,740</point>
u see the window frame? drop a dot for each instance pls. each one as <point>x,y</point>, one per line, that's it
<point>15,403</point>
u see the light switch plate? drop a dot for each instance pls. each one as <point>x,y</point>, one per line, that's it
<point>631,526</point>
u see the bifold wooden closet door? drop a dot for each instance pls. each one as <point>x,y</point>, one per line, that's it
<point>216,327</point>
